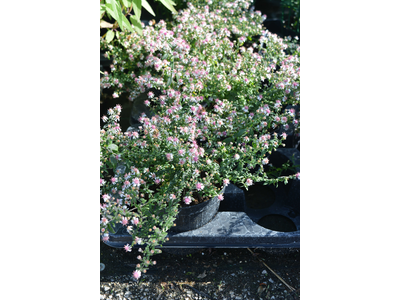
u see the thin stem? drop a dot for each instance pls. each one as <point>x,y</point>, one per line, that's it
<point>288,286</point>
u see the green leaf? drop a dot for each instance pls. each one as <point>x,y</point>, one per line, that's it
<point>109,9</point>
<point>109,36</point>
<point>240,133</point>
<point>126,3</point>
<point>137,8</point>
<point>228,140</point>
<point>110,228</point>
<point>169,4</point>
<point>114,161</point>
<point>109,164</point>
<point>115,9</point>
<point>126,24</point>
<point>169,81</point>
<point>102,10</point>
<point>147,7</point>
<point>137,25</point>
<point>113,147</point>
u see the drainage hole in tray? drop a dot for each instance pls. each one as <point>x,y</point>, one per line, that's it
<point>277,223</point>
<point>259,196</point>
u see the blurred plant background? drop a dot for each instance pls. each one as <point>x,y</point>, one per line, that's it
<point>291,15</point>
<point>283,16</point>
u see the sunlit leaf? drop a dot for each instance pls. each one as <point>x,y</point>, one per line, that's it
<point>168,4</point>
<point>104,24</point>
<point>126,24</point>
<point>137,8</point>
<point>147,7</point>
<point>113,147</point>
<point>109,36</point>
<point>137,25</point>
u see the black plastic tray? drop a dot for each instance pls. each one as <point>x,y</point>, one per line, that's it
<point>235,225</point>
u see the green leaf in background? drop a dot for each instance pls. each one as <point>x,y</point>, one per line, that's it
<point>137,25</point>
<point>147,7</point>
<point>169,4</point>
<point>109,36</point>
<point>137,8</point>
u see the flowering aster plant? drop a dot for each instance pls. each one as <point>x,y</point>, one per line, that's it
<point>221,94</point>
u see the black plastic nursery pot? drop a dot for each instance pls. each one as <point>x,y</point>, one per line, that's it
<point>196,216</point>
<point>262,217</point>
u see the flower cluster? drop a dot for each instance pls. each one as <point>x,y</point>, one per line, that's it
<point>221,92</point>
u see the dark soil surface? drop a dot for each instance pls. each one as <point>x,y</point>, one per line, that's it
<point>235,271</point>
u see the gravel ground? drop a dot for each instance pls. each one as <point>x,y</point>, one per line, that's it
<point>203,274</point>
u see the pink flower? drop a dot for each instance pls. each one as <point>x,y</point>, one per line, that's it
<point>187,200</point>
<point>135,135</point>
<point>137,274</point>
<point>128,248</point>
<point>199,186</point>
<point>226,182</point>
<point>136,182</point>
<point>220,197</point>
<point>249,181</point>
<point>124,221</point>
<point>105,237</point>
<point>236,156</point>
<point>135,221</point>
<point>169,156</point>
<point>298,175</point>
<point>265,161</point>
